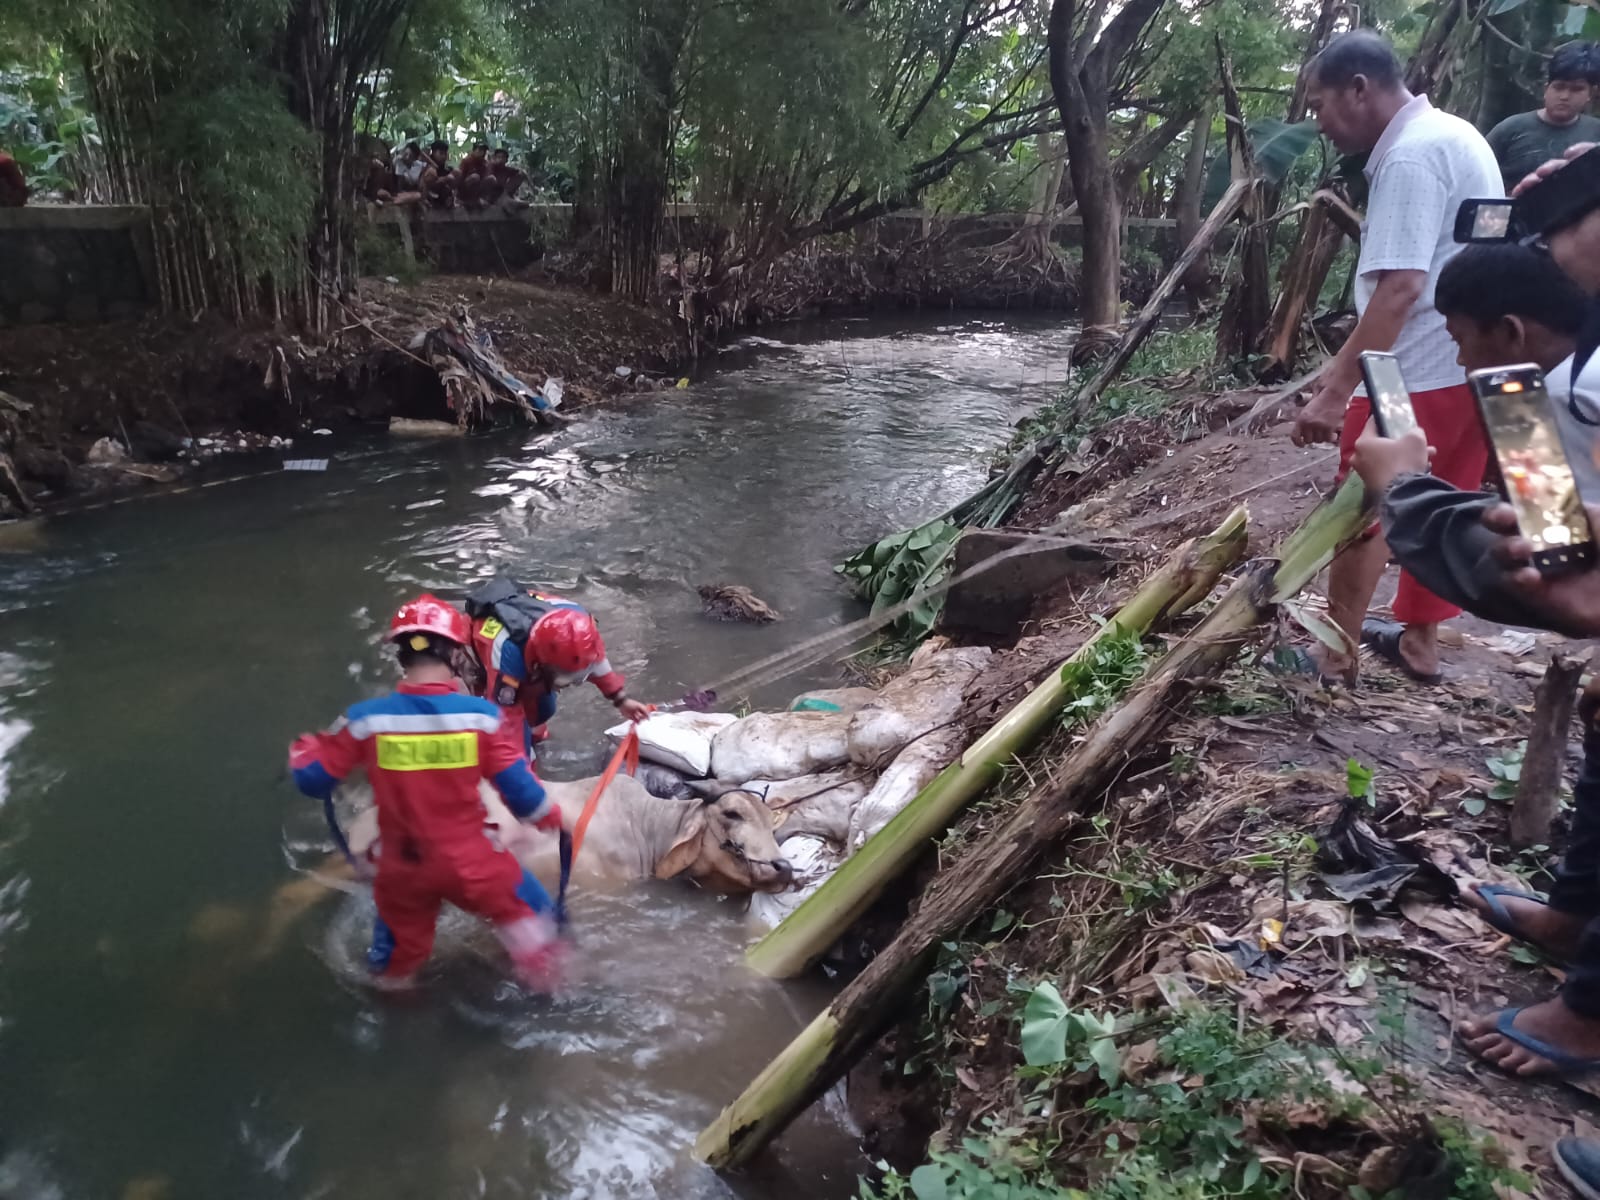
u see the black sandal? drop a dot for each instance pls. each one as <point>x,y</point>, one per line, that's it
<point>1384,639</point>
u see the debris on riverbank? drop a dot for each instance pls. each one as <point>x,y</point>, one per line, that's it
<point>154,384</point>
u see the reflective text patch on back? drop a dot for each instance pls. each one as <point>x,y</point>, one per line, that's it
<point>427,751</point>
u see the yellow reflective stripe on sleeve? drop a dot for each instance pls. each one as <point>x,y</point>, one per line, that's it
<point>427,751</point>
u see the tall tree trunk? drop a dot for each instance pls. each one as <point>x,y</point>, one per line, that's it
<point>1186,210</point>
<point>1081,70</point>
<point>636,194</point>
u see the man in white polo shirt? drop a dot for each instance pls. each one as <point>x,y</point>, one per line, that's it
<point>1422,164</point>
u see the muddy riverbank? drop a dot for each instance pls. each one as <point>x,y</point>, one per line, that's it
<point>158,385</point>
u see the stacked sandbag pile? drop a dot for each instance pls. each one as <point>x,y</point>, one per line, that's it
<point>835,768</point>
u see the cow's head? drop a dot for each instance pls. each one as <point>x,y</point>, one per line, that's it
<point>726,845</point>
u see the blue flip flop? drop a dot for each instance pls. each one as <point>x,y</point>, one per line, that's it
<point>1494,894</point>
<point>1565,1064</point>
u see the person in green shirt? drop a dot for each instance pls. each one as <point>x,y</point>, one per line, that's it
<point>1522,142</point>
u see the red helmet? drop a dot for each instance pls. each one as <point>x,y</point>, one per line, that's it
<point>428,614</point>
<point>566,640</point>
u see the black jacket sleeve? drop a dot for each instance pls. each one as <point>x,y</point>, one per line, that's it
<point>1435,531</point>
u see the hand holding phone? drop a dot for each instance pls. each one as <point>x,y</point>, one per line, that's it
<point>1535,472</point>
<point>1386,393</point>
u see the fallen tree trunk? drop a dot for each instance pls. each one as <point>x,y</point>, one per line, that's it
<point>826,1048</point>
<point>1533,808</point>
<point>1232,200</point>
<point>824,917</point>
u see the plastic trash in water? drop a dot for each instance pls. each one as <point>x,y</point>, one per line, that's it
<point>305,464</point>
<point>813,704</point>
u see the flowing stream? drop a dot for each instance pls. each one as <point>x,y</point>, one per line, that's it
<point>175,1022</point>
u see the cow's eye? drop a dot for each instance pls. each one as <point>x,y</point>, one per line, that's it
<point>733,814</point>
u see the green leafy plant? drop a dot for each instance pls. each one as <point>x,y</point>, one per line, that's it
<point>1100,678</point>
<point>1053,1035</point>
<point>1507,771</point>
<point>1358,782</point>
<point>894,570</point>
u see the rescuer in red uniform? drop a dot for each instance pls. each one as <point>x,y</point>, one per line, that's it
<point>531,645</point>
<point>425,747</point>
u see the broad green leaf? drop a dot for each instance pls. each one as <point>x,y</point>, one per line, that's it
<point>1276,145</point>
<point>1505,6</point>
<point>1044,1027</point>
<point>1100,1031</point>
<point>1577,16</point>
<point>927,1183</point>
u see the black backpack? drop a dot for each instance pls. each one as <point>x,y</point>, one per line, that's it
<point>508,602</point>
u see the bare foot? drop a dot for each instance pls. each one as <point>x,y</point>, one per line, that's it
<point>1419,646</point>
<point>1551,1021</point>
<point>1335,667</point>
<point>1537,923</point>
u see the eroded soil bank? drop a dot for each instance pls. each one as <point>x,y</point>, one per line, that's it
<point>1198,903</point>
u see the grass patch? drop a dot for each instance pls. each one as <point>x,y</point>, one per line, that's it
<point>1170,362</point>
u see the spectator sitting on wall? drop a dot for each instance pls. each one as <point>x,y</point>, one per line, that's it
<point>1523,141</point>
<point>441,191</point>
<point>510,178</point>
<point>13,187</point>
<point>413,175</point>
<point>375,169</point>
<point>476,179</point>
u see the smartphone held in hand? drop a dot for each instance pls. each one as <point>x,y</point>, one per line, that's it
<point>1386,393</point>
<point>1534,468</point>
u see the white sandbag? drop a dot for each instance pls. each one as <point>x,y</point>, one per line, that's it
<point>680,740</point>
<point>813,862</point>
<point>813,805</point>
<point>910,772</point>
<point>923,698</point>
<point>781,745</point>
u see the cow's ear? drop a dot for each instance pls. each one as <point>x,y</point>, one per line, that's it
<point>685,849</point>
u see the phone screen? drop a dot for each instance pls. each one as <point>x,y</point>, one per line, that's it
<point>1483,221</point>
<point>1538,478</point>
<point>1386,391</point>
<point>1491,222</point>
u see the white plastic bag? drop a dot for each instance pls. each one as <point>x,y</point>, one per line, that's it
<point>680,740</point>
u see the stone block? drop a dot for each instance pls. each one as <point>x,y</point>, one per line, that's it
<point>995,603</point>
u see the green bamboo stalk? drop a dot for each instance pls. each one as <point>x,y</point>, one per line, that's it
<point>822,919</point>
<point>825,1050</point>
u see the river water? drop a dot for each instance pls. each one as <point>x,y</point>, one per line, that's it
<point>173,1024</point>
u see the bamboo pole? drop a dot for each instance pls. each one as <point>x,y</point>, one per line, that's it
<point>801,939</point>
<point>826,1048</point>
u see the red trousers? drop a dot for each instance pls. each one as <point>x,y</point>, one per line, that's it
<point>1449,418</point>
<point>477,878</point>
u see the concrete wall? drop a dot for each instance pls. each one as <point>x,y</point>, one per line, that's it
<point>78,263</point>
<point>456,241</point>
